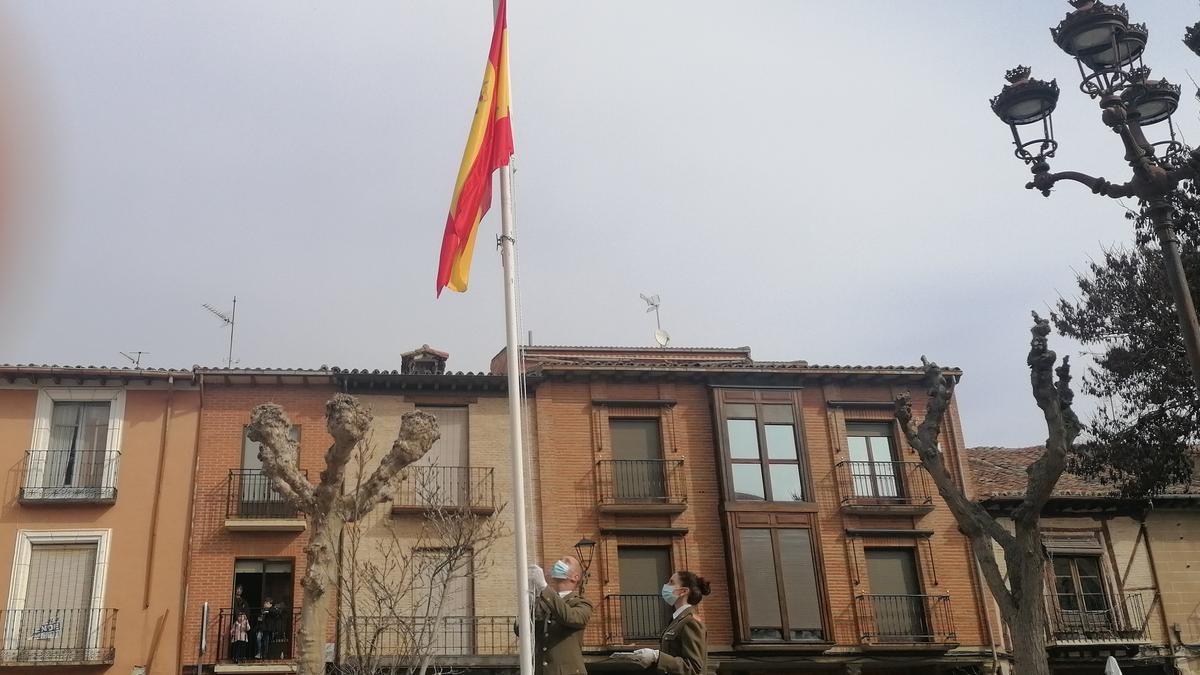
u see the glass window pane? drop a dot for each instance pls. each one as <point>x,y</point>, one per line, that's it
<point>785,483</point>
<point>881,449</point>
<point>781,441</point>
<point>886,484</point>
<point>1068,602</point>
<point>858,449</point>
<point>748,482</point>
<point>1090,586</point>
<point>1095,602</point>
<point>1062,567</point>
<point>762,586</point>
<point>1088,567</point>
<point>743,439</point>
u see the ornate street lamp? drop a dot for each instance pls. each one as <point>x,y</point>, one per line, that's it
<point>1108,50</point>
<point>584,548</point>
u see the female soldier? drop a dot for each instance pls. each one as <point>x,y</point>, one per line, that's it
<point>683,649</point>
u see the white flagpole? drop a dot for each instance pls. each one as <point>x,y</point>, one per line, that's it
<point>507,256</point>
<point>524,619</point>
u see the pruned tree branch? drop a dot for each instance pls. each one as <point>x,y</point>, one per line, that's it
<point>418,433</point>
<point>269,427</point>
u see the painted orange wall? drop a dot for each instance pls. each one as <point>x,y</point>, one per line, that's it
<point>140,605</point>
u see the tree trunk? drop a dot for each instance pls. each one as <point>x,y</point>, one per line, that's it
<point>319,578</point>
<point>1029,641</point>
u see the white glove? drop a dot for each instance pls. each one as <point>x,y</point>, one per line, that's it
<point>537,579</point>
<point>645,657</point>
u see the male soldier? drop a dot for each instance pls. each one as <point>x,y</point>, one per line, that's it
<point>560,615</point>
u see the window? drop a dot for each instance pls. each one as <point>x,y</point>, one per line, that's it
<point>261,580</point>
<point>643,569</point>
<point>256,497</point>
<point>779,585</point>
<point>75,446</point>
<point>897,604</point>
<point>56,601</point>
<point>443,600</point>
<point>637,460</point>
<point>873,461</point>
<point>446,476</point>
<point>763,452</point>
<point>1078,584</point>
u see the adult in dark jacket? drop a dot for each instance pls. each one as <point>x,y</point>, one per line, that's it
<point>683,649</point>
<point>560,616</point>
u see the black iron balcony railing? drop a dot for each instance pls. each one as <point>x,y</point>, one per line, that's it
<point>905,619</point>
<point>882,484</point>
<point>249,495</point>
<point>641,481</point>
<point>449,487</point>
<point>59,636</point>
<point>634,618</point>
<point>386,636</point>
<point>271,635</point>
<point>1123,622</point>
<point>70,476</point>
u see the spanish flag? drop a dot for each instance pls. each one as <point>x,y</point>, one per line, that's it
<point>489,147</point>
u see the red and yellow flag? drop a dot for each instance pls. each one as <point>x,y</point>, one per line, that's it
<point>489,147</point>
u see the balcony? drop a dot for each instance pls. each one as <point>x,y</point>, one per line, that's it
<point>451,640</point>
<point>69,477</point>
<point>906,621</point>
<point>1122,624</point>
<point>454,488</point>
<point>280,628</point>
<point>252,505</point>
<point>891,488</point>
<point>632,619</point>
<point>641,486</point>
<point>59,637</point>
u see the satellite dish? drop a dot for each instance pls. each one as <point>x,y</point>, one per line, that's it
<point>662,337</point>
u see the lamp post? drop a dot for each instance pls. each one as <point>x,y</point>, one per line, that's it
<point>1108,50</point>
<point>584,549</point>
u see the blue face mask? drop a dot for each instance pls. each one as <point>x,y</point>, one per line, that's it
<point>560,570</point>
<point>668,594</point>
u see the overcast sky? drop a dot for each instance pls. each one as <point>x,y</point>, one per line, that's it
<point>818,180</point>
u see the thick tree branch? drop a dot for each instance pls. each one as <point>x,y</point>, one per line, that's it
<point>418,432</point>
<point>348,422</point>
<point>1062,426</point>
<point>270,428</point>
<point>971,516</point>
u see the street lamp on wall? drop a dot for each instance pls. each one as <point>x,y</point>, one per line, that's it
<point>1108,50</point>
<point>584,549</point>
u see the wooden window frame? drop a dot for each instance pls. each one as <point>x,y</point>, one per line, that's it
<point>1073,556</point>
<point>750,396</point>
<point>742,625</point>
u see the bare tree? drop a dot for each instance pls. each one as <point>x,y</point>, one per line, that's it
<point>326,505</point>
<point>1019,588</point>
<point>396,588</point>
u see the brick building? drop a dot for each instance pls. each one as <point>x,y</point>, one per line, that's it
<point>785,484</point>
<point>242,534</point>
<point>93,524</point>
<point>1120,580</point>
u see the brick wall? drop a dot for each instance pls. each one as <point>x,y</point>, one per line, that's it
<point>213,550</point>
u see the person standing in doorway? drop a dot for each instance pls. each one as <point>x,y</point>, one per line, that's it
<point>239,638</point>
<point>266,626</point>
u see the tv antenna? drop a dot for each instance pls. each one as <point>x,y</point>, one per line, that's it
<point>661,336</point>
<point>134,357</point>
<point>230,320</point>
